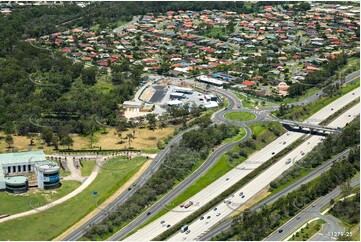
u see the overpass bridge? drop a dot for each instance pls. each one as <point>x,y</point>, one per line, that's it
<point>311,127</point>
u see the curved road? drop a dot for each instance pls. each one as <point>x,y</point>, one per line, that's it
<point>79,232</point>
<point>233,103</point>
<point>311,212</point>
<point>159,205</point>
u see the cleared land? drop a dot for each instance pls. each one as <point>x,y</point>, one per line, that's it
<point>145,139</point>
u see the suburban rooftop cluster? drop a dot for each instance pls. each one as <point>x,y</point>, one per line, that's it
<point>284,43</point>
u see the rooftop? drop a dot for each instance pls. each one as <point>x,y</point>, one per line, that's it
<point>22,157</point>
<point>16,179</point>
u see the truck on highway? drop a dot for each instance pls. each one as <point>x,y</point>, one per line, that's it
<point>188,204</point>
<point>184,228</point>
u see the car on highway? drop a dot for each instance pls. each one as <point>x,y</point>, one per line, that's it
<point>284,142</point>
<point>280,231</point>
<point>129,188</point>
<point>208,217</point>
<point>227,179</point>
<point>273,153</point>
<point>168,225</point>
<point>302,153</point>
<point>288,161</point>
<point>149,213</point>
<point>353,93</point>
<point>188,231</point>
<point>331,109</point>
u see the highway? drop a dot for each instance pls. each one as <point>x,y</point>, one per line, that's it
<point>175,192</point>
<point>234,104</point>
<point>198,227</point>
<point>156,163</point>
<point>227,223</point>
<point>214,189</point>
<point>308,213</point>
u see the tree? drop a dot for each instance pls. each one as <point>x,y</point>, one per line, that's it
<point>9,140</point>
<point>129,137</point>
<point>47,135</point>
<point>121,127</point>
<point>31,138</point>
<point>152,121</point>
<point>55,141</point>
<point>67,141</point>
<point>89,75</point>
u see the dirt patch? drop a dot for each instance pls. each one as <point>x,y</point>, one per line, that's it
<point>262,194</point>
<point>147,94</point>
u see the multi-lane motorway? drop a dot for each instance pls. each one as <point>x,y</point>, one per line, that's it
<point>213,190</point>
<point>234,104</point>
<point>261,181</point>
<point>226,224</point>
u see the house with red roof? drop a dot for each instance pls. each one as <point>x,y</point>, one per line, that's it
<point>248,83</point>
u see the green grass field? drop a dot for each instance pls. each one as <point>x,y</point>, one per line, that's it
<point>47,225</point>
<point>17,203</point>
<point>240,116</point>
<point>88,166</point>
<point>308,231</point>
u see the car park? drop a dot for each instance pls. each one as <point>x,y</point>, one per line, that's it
<point>288,161</point>
<point>162,222</point>
<point>168,225</point>
<point>243,196</point>
<point>241,193</point>
<point>214,209</point>
<point>202,217</point>
<point>218,214</point>
<point>188,231</point>
<point>208,217</point>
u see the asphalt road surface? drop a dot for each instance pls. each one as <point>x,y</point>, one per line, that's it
<point>213,190</point>
<point>198,227</point>
<point>310,212</point>
<point>227,223</point>
<point>157,161</point>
